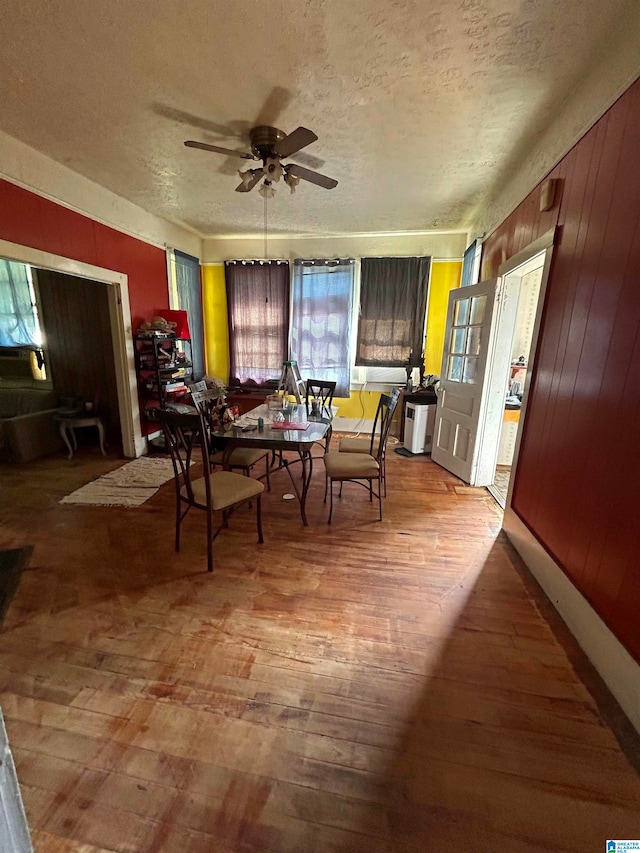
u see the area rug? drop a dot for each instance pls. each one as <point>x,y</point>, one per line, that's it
<point>130,485</point>
<point>12,562</point>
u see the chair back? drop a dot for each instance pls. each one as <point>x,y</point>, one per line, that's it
<point>184,436</point>
<point>201,385</point>
<point>206,401</point>
<point>321,390</point>
<point>382,424</point>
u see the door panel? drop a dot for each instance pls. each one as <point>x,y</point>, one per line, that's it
<point>468,342</point>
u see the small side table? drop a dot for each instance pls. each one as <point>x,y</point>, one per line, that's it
<point>69,423</point>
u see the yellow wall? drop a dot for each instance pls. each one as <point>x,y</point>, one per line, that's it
<point>216,330</point>
<point>445,275</point>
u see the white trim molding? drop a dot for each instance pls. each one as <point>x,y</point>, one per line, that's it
<point>618,669</point>
<point>34,171</point>
<point>133,443</point>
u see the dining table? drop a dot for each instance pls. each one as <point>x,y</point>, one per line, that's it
<point>299,433</point>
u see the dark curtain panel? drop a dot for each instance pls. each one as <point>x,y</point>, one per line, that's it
<point>393,304</point>
<point>258,308</point>
<point>321,321</point>
<point>190,300</point>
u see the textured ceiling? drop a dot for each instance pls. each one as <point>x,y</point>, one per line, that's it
<point>421,108</point>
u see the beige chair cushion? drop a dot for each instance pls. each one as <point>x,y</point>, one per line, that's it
<point>350,466</point>
<point>227,489</point>
<point>358,445</point>
<point>240,457</point>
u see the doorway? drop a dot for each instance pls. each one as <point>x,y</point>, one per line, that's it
<point>133,443</point>
<point>479,383</point>
<point>527,281</point>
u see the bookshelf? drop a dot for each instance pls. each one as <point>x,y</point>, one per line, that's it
<point>164,369</point>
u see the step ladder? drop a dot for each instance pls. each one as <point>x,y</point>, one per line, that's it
<point>292,382</point>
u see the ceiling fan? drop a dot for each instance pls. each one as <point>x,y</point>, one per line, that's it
<point>271,145</point>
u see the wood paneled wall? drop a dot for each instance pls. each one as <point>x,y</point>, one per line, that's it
<point>576,487</point>
<point>79,350</point>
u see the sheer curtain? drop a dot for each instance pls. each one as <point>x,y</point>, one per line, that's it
<point>18,323</point>
<point>258,309</point>
<point>393,304</point>
<point>189,292</point>
<point>321,320</point>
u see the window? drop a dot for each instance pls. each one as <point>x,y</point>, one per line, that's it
<point>258,308</point>
<point>321,320</point>
<point>393,304</point>
<point>186,295</point>
<point>18,315</point>
<point>463,347</point>
<point>471,264</point>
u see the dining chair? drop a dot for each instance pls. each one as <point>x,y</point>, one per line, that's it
<point>322,391</point>
<point>186,437</point>
<point>362,468</point>
<point>240,458</point>
<point>200,385</point>
<point>369,443</point>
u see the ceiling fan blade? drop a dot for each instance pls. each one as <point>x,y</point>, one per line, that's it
<point>245,188</point>
<point>299,138</point>
<point>312,177</point>
<point>190,143</point>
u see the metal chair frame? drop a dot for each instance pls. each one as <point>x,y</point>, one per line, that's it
<point>184,436</point>
<point>203,400</point>
<point>324,390</point>
<point>394,394</point>
<point>384,415</point>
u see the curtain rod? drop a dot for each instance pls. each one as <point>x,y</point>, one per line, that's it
<point>257,261</point>
<point>323,262</point>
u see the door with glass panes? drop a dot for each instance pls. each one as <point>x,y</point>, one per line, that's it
<point>469,333</point>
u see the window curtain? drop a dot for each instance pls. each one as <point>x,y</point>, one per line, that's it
<point>18,324</point>
<point>469,265</point>
<point>393,304</point>
<point>258,309</point>
<point>189,292</point>
<point>321,320</point>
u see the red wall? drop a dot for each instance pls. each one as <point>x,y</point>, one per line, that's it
<point>31,220</point>
<point>578,481</point>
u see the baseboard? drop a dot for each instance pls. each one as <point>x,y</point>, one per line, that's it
<point>353,425</point>
<point>617,668</point>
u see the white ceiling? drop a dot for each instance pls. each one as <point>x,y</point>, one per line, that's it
<point>421,108</point>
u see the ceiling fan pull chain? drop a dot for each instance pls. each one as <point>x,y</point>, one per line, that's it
<point>265,227</point>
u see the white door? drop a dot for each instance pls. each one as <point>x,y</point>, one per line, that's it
<point>14,832</point>
<point>462,397</point>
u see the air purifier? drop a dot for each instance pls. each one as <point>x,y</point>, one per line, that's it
<point>419,421</point>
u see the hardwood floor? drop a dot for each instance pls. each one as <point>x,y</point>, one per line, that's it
<point>395,686</point>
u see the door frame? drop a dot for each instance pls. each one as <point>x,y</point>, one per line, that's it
<point>472,420</point>
<point>133,443</point>
<point>544,244</point>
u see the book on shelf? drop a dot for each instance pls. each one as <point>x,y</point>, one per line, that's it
<point>166,386</point>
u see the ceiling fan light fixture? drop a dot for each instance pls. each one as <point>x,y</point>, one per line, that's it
<point>272,169</point>
<point>292,182</point>
<point>267,190</point>
<point>245,177</point>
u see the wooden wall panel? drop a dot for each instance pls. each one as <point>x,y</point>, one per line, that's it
<point>579,466</point>
<point>77,329</point>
